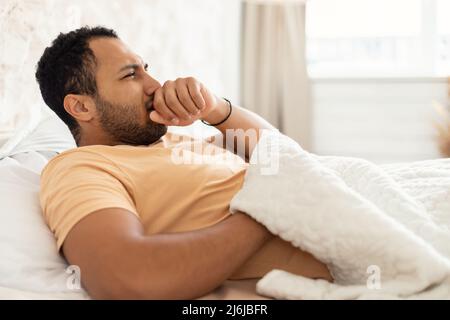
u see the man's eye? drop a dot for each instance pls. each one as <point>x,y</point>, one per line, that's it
<point>131,74</point>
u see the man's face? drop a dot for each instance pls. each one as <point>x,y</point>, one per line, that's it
<point>125,93</point>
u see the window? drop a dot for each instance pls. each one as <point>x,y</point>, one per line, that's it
<point>370,38</point>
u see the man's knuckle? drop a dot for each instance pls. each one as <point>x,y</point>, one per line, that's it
<point>191,80</point>
<point>185,100</point>
<point>170,99</point>
<point>198,98</point>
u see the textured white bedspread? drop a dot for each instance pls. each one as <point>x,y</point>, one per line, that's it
<point>383,231</point>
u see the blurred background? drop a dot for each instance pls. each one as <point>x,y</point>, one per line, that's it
<point>360,78</point>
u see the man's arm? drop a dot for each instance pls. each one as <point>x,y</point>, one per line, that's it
<point>241,131</point>
<point>118,261</point>
<point>185,100</point>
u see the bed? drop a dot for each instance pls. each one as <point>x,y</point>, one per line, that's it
<point>230,290</point>
<point>31,268</point>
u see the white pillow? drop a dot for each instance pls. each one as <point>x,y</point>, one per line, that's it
<point>37,130</point>
<point>50,134</point>
<point>29,259</point>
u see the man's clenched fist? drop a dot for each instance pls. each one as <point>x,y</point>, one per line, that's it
<point>181,102</point>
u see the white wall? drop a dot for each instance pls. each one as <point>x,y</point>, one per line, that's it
<point>178,38</point>
<point>383,120</point>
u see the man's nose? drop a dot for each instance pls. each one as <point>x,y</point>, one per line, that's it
<point>150,84</point>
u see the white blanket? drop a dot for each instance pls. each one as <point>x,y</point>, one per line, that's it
<point>382,231</point>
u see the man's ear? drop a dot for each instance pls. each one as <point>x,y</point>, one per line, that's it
<point>81,107</point>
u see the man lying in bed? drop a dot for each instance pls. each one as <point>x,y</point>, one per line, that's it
<point>136,222</point>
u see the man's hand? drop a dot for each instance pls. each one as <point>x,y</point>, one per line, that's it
<point>183,101</point>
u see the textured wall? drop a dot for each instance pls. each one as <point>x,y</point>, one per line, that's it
<point>176,37</point>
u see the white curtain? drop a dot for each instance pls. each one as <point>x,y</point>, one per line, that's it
<point>274,78</point>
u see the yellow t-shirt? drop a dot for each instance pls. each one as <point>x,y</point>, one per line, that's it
<point>176,184</point>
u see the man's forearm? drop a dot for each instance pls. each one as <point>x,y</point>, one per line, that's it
<point>249,122</point>
<point>190,264</point>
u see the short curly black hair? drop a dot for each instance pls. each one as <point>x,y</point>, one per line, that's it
<point>68,66</point>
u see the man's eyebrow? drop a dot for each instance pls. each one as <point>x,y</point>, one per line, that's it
<point>129,66</point>
<point>132,66</point>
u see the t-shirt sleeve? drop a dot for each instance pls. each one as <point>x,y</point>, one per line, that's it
<point>80,183</point>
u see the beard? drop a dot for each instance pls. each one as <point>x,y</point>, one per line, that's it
<point>122,123</point>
